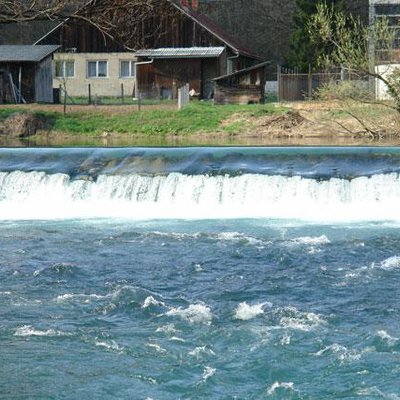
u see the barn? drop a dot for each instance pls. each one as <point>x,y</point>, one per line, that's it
<point>175,45</point>
<point>26,73</point>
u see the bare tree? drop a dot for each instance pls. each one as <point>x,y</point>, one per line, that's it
<point>117,19</point>
<point>12,11</point>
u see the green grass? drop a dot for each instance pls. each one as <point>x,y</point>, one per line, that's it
<point>197,117</point>
<point>6,112</point>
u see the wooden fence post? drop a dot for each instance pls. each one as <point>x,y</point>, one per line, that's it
<point>183,96</point>
<point>122,93</point>
<point>309,82</point>
<point>279,82</point>
<point>65,102</point>
<point>90,94</point>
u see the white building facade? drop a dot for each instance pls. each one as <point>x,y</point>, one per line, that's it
<point>103,74</point>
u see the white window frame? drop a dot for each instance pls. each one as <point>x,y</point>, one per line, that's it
<point>97,69</point>
<point>132,69</point>
<point>64,69</point>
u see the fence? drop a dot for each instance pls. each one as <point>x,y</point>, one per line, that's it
<point>146,96</point>
<point>294,85</point>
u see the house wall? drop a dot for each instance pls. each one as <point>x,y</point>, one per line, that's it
<point>380,88</point>
<point>77,86</point>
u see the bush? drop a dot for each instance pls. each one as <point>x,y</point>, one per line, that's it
<point>357,90</point>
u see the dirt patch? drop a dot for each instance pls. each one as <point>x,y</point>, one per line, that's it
<point>285,122</point>
<point>20,125</point>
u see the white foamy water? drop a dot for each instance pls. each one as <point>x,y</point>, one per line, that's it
<point>156,347</point>
<point>201,350</point>
<point>109,345</point>
<point>36,195</point>
<point>168,329</point>
<point>342,353</point>
<point>391,263</point>
<point>245,311</point>
<point>299,320</point>
<point>28,330</point>
<point>208,372</point>
<point>279,385</point>
<point>151,301</point>
<point>195,313</point>
<point>85,298</point>
<point>390,340</point>
<point>311,240</point>
<point>239,237</point>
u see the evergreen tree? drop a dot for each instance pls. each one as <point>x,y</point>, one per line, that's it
<point>303,52</point>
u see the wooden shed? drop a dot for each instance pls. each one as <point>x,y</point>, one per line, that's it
<point>242,87</point>
<point>26,74</point>
<point>161,72</point>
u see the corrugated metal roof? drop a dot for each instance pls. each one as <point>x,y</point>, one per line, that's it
<point>182,52</point>
<point>26,53</point>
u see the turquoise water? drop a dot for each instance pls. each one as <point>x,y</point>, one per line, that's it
<point>100,299</point>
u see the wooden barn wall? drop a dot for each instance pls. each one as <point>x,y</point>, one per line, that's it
<point>166,28</point>
<point>211,68</point>
<point>44,81</point>
<point>166,76</point>
<point>237,95</point>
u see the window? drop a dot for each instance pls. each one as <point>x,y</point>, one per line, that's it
<point>64,69</point>
<point>97,69</point>
<point>127,69</point>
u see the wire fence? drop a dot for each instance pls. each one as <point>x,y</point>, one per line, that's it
<point>143,97</point>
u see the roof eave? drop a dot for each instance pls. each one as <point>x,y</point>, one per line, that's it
<point>242,71</point>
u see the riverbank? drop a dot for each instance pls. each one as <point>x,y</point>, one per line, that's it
<point>202,123</point>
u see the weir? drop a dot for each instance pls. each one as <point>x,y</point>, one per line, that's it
<point>317,184</point>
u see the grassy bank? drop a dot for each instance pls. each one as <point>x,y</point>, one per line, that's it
<point>196,118</point>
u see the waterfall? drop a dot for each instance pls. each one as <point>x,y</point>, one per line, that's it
<point>39,195</point>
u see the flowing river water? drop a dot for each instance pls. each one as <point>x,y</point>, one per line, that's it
<point>200,273</point>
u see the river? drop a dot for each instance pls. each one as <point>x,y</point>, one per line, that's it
<point>200,273</point>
